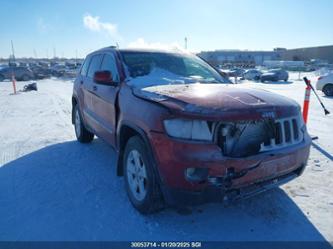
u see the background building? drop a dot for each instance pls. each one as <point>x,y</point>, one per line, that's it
<point>324,53</point>
<point>245,57</point>
<point>220,57</point>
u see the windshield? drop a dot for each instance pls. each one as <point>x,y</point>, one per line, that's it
<point>158,68</point>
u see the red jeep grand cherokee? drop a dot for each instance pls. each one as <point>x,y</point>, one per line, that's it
<point>183,134</point>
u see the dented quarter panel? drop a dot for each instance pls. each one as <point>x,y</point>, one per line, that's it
<point>142,113</point>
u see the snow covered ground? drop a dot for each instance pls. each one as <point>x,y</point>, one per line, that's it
<point>53,188</point>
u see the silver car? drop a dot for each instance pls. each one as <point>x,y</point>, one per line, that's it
<point>252,74</point>
<point>275,75</point>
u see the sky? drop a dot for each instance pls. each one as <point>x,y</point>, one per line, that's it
<point>64,28</point>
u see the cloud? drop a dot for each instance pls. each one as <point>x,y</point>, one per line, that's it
<point>141,43</point>
<point>94,24</point>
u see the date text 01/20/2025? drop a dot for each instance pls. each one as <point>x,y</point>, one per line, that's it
<point>166,244</point>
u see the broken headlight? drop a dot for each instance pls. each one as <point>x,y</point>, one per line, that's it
<point>188,129</point>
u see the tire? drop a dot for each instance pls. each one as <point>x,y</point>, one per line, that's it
<point>82,134</point>
<point>328,90</point>
<point>141,182</point>
<point>2,78</point>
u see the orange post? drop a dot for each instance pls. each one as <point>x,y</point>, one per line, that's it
<point>306,103</point>
<point>14,83</point>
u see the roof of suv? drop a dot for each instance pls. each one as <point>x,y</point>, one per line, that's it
<point>148,50</point>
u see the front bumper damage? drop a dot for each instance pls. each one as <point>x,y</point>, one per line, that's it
<point>177,197</point>
<point>228,178</point>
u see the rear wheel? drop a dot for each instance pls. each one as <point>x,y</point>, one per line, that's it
<point>82,134</point>
<point>328,90</point>
<point>140,180</point>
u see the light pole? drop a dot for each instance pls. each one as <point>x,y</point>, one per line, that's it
<point>12,66</point>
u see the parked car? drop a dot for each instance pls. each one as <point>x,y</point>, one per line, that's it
<point>252,74</point>
<point>58,70</point>
<point>70,73</point>
<point>325,84</point>
<point>275,75</point>
<point>182,134</point>
<point>21,73</point>
<point>40,72</point>
<point>234,72</point>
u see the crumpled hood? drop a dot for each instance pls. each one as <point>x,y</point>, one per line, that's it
<point>219,99</point>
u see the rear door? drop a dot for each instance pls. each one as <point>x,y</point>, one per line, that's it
<point>88,91</point>
<point>105,99</point>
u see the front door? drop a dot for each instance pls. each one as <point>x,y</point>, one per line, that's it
<point>89,92</point>
<point>105,99</point>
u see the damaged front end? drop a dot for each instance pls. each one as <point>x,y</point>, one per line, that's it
<point>247,138</point>
<point>237,141</point>
<point>240,139</point>
<point>251,138</point>
<point>234,141</point>
<point>231,160</point>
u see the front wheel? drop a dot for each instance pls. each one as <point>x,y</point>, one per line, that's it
<point>82,134</point>
<point>328,90</point>
<point>140,180</point>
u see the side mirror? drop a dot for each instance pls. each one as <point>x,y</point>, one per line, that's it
<point>104,78</point>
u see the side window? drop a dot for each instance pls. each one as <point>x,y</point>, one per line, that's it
<point>84,68</point>
<point>109,63</point>
<point>94,65</point>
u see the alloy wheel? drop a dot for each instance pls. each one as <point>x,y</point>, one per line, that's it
<point>136,175</point>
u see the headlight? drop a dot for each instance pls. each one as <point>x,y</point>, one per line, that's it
<point>188,129</point>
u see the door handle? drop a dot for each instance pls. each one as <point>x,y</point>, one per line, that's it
<point>95,88</point>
